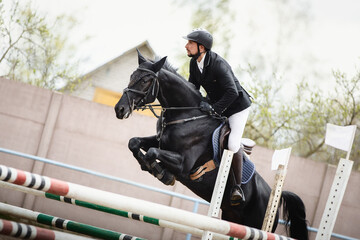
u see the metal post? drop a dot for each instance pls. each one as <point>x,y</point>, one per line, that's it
<point>333,203</point>
<point>219,189</point>
<point>275,195</point>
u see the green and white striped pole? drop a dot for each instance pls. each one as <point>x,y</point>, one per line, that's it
<point>64,224</point>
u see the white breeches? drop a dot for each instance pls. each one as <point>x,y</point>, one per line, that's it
<point>237,124</point>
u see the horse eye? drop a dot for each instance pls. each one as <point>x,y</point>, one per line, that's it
<point>145,79</point>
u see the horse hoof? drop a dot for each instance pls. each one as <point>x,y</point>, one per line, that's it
<point>173,182</point>
<point>168,179</point>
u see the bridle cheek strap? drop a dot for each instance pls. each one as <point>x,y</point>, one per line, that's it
<point>152,93</point>
<point>149,96</point>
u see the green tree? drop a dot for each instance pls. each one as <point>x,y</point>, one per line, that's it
<point>34,51</point>
<point>301,121</point>
<point>269,119</point>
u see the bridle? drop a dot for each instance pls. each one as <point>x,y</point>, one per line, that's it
<point>149,95</point>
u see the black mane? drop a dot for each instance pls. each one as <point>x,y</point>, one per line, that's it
<point>168,66</point>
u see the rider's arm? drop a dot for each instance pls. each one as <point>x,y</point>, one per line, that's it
<point>192,74</point>
<point>228,87</point>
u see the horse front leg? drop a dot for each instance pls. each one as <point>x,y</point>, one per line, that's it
<point>170,163</point>
<point>137,144</point>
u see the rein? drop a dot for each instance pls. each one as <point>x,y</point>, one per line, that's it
<point>152,108</point>
<point>185,120</point>
<point>179,121</point>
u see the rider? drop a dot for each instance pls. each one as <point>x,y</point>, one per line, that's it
<point>226,96</point>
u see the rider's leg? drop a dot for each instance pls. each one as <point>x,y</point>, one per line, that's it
<point>237,124</point>
<point>237,194</point>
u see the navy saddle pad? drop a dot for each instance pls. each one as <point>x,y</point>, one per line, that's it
<point>248,166</point>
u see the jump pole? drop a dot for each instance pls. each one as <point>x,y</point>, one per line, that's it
<point>134,216</point>
<point>129,204</point>
<point>63,223</point>
<point>26,231</point>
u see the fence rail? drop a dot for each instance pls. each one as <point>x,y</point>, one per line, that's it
<point>196,201</point>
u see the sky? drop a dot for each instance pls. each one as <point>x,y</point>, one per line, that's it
<point>329,42</point>
<point>115,26</point>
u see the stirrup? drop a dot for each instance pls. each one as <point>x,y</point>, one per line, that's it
<point>237,196</point>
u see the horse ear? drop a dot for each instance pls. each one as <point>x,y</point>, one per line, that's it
<point>159,64</point>
<point>141,58</point>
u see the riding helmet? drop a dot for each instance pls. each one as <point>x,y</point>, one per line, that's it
<point>201,36</point>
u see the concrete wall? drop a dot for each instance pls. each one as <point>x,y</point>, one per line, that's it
<point>86,134</point>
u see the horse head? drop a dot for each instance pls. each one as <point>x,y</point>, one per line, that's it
<point>143,87</point>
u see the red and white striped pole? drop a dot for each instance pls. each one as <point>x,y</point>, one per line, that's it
<point>25,231</point>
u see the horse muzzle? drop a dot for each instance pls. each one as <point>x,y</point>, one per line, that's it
<point>122,112</point>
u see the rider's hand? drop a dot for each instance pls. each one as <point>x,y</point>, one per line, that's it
<point>206,107</point>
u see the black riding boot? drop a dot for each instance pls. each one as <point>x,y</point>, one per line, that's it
<point>237,194</point>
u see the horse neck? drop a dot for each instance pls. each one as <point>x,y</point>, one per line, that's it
<point>176,92</point>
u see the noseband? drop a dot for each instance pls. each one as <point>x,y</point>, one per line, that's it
<point>149,95</point>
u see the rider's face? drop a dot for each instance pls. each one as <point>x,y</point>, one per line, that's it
<point>191,48</point>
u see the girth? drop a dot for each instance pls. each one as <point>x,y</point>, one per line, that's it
<point>211,165</point>
<point>207,167</point>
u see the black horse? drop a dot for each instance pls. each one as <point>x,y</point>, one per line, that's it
<point>183,144</point>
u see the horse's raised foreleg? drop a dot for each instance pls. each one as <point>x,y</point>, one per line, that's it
<point>137,144</point>
<point>170,164</point>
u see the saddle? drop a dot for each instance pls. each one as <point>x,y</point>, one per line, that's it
<point>220,141</point>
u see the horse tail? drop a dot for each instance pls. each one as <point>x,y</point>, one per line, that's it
<point>294,215</point>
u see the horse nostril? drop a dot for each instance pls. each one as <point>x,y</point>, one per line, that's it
<point>119,110</point>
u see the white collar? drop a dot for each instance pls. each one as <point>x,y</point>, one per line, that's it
<point>201,63</point>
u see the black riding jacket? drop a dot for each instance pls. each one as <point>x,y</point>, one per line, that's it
<point>224,91</point>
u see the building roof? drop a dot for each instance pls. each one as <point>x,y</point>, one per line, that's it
<point>141,45</point>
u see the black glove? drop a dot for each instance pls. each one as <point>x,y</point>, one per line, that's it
<point>206,107</point>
